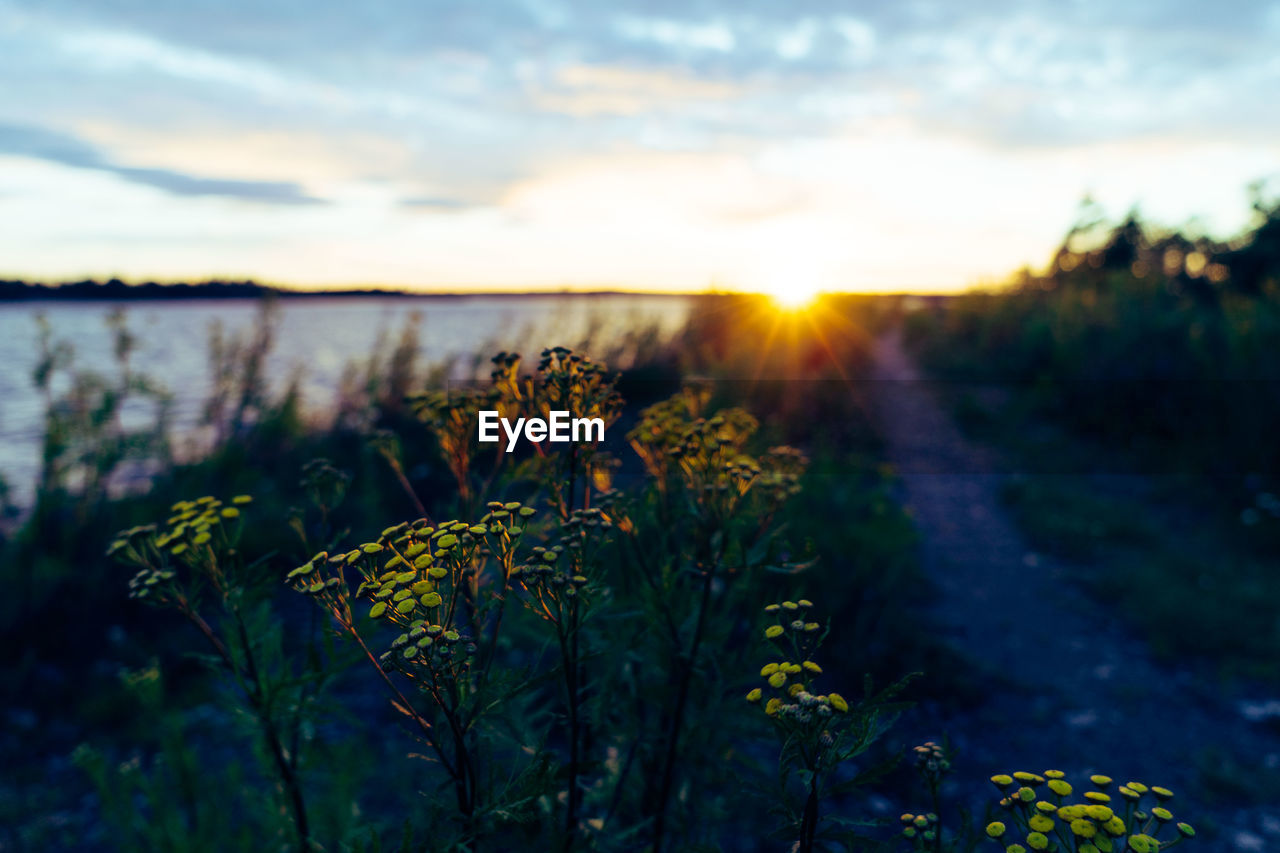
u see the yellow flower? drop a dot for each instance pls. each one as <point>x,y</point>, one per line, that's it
<point>754,695</point>
<point>1084,828</point>
<point>1040,823</point>
<point>771,707</point>
<point>1143,844</point>
<point>995,829</point>
<point>1037,841</point>
<point>1062,789</point>
<point>1100,780</point>
<point>769,669</point>
<point>837,701</point>
<point>777,679</point>
<point>1002,781</point>
<point>773,631</point>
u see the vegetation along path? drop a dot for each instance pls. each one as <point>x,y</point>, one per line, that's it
<point>1068,686</point>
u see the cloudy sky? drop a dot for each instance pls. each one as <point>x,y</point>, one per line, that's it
<point>667,145</point>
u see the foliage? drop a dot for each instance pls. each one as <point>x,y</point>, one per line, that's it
<point>565,655</point>
<point>1151,343</point>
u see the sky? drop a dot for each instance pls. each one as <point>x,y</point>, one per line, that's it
<point>734,144</point>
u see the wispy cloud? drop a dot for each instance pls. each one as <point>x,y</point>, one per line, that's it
<point>67,150</point>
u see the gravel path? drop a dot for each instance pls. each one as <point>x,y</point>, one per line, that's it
<point>1078,691</point>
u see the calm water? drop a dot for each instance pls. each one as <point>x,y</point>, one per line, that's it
<point>320,337</point>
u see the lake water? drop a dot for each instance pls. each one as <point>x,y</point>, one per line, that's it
<point>319,336</point>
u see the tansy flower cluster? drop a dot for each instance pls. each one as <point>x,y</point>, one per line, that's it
<point>553,577</point>
<point>1046,814</point>
<point>920,828</point>
<point>417,576</point>
<point>788,681</point>
<point>190,537</point>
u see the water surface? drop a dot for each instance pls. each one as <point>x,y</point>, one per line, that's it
<point>319,337</point>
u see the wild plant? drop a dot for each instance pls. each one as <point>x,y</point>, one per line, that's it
<point>564,381</point>
<point>375,388</point>
<point>711,511</point>
<point>86,439</point>
<point>239,394</point>
<point>192,565</point>
<point>704,518</point>
<point>450,417</point>
<point>932,763</point>
<point>444,588</point>
<point>819,732</point>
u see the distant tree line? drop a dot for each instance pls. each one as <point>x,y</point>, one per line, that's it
<point>16,290</point>
<point>1194,266</point>
<point>115,289</point>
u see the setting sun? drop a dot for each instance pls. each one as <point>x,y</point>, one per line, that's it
<point>794,296</point>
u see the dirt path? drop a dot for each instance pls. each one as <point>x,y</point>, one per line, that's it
<point>1080,692</point>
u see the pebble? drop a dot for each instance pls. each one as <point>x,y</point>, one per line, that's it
<point>1248,841</point>
<point>1258,712</point>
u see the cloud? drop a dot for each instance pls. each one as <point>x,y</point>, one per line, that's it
<point>436,203</point>
<point>67,150</point>
<point>595,90</point>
